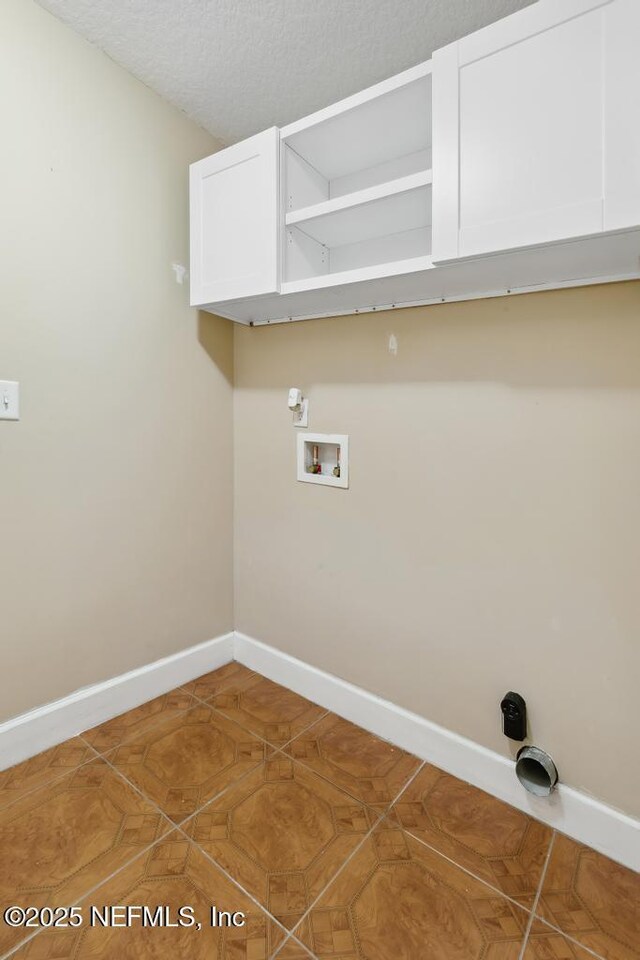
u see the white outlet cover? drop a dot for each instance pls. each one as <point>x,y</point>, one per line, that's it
<point>301,416</point>
<point>9,400</point>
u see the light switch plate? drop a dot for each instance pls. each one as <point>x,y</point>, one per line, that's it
<point>9,400</point>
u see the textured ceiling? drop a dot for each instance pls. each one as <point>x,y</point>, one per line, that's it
<point>238,66</point>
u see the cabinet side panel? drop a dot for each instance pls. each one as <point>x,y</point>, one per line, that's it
<point>195,237</point>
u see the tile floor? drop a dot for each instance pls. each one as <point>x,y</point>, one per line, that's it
<point>235,792</point>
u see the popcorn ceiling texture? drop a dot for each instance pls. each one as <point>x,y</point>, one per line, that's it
<point>239,66</point>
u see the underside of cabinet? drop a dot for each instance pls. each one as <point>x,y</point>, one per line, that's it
<point>416,281</point>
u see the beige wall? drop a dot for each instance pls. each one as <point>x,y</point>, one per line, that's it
<point>116,505</point>
<point>490,538</point>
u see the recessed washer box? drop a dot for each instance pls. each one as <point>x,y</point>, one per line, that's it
<point>332,451</point>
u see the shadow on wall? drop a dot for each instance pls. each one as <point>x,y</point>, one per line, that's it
<point>215,335</point>
<point>586,337</point>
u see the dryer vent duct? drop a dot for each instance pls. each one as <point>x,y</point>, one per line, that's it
<point>536,771</point>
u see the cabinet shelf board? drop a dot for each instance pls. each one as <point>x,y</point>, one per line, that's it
<point>399,185</point>
<point>375,272</point>
<point>402,204</point>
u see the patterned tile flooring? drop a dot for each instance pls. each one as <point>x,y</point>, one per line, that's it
<point>235,793</point>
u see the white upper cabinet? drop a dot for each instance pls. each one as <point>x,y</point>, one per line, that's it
<point>535,132</point>
<point>509,162</point>
<point>235,221</point>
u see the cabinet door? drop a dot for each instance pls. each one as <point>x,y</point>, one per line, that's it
<point>235,221</point>
<point>518,131</point>
<point>622,115</point>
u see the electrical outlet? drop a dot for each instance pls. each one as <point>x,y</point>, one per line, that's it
<point>301,415</point>
<point>9,400</point>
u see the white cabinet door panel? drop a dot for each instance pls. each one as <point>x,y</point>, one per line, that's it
<point>235,221</point>
<point>622,115</point>
<point>521,161</point>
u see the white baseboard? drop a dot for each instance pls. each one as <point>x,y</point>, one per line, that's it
<point>580,816</point>
<point>31,733</point>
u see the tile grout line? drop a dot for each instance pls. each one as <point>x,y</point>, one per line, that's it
<point>207,703</point>
<point>55,780</point>
<point>475,876</point>
<point>281,749</point>
<point>290,938</point>
<point>466,870</point>
<point>567,936</point>
<point>19,946</point>
<point>385,817</point>
<point>105,757</point>
<point>306,729</point>
<point>532,915</point>
<point>179,827</point>
<point>333,783</point>
<point>219,713</point>
<point>500,893</point>
<point>408,783</point>
<point>295,940</point>
<point>216,796</point>
<point>542,920</point>
<point>159,722</point>
<point>176,825</point>
<point>141,793</point>
<point>127,740</point>
<point>295,761</point>
<point>454,863</point>
<point>161,839</point>
<point>329,882</point>
<point>348,859</point>
<point>290,933</point>
<point>87,893</point>
<point>253,733</point>
<point>194,706</point>
<point>375,825</point>
<point>197,701</point>
<point>236,883</point>
<point>233,880</point>
<point>39,930</point>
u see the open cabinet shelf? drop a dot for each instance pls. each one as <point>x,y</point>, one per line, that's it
<point>340,277</point>
<point>365,132</point>
<point>388,208</point>
<point>356,186</point>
